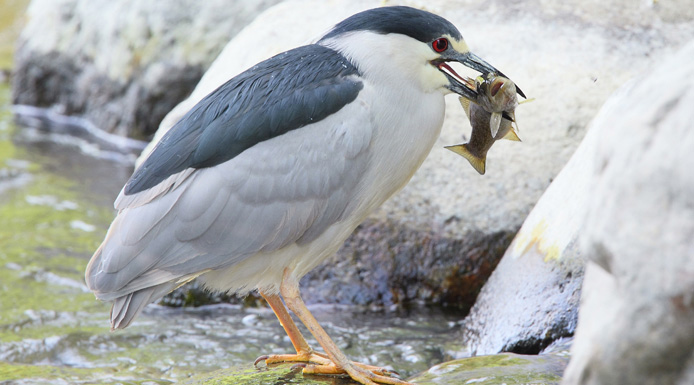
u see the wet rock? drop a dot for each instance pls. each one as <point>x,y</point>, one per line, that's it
<point>532,297</point>
<point>636,321</point>
<point>275,374</point>
<point>505,368</point>
<point>121,64</point>
<point>382,263</point>
<point>250,376</point>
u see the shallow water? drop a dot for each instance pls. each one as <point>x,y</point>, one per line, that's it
<point>56,194</point>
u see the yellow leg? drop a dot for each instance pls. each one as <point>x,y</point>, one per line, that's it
<point>304,352</point>
<point>365,374</point>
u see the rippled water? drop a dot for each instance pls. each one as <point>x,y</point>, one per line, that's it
<point>56,196</point>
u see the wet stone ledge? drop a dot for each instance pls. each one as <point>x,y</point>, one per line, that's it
<point>506,368</point>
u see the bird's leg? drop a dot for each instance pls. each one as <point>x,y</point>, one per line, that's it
<point>304,352</point>
<point>365,374</point>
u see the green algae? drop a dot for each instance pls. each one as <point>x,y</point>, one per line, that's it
<point>497,369</point>
<point>11,22</point>
<point>275,374</point>
<point>44,255</point>
<point>473,363</point>
<point>13,372</point>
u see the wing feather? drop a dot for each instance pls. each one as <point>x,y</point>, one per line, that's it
<point>281,191</point>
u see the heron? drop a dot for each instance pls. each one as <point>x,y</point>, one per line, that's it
<point>268,175</point>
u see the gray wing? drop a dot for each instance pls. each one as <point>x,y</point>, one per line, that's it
<point>284,190</point>
<point>286,92</point>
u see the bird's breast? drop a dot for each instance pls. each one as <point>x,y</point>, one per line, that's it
<point>406,124</point>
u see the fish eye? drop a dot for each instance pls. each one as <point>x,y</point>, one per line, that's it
<point>496,87</point>
<point>440,44</point>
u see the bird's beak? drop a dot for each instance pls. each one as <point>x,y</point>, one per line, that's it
<point>466,87</point>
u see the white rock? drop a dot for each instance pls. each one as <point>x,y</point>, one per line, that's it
<point>636,321</point>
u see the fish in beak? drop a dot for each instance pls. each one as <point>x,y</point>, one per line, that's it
<point>492,117</point>
<point>462,86</point>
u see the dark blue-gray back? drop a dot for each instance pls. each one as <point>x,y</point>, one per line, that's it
<point>283,93</point>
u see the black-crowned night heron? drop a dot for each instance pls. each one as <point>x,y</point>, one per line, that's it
<point>269,174</point>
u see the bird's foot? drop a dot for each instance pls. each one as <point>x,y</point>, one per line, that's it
<point>319,363</point>
<point>302,357</point>
<point>362,373</point>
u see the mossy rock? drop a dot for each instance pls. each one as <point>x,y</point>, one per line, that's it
<point>270,375</point>
<point>506,368</point>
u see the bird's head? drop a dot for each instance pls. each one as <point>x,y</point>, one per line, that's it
<point>408,44</point>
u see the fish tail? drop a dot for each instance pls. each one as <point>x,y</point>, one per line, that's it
<point>478,163</point>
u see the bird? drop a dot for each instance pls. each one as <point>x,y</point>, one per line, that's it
<point>268,175</point>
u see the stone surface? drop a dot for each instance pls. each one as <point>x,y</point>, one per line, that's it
<point>121,64</point>
<point>532,297</point>
<point>438,239</point>
<point>636,321</point>
<point>507,368</point>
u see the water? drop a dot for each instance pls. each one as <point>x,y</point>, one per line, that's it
<point>56,194</point>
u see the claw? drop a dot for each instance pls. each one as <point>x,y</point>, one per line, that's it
<point>261,358</point>
<point>298,366</point>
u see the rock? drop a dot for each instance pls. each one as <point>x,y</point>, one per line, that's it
<point>505,368</point>
<point>251,376</point>
<point>438,240</point>
<point>636,321</point>
<point>532,297</point>
<point>121,64</point>
<point>383,264</point>
<point>508,368</point>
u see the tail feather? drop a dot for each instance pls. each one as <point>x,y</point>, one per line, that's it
<point>127,307</point>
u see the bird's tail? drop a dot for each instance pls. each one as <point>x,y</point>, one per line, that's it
<point>127,307</point>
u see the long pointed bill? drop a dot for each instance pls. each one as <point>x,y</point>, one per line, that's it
<point>465,87</point>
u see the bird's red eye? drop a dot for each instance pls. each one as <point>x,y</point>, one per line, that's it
<point>440,44</point>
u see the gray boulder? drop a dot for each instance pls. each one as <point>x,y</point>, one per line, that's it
<point>636,321</point>
<point>121,64</point>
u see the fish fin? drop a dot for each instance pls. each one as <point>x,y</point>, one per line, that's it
<point>495,123</point>
<point>466,106</point>
<point>479,164</point>
<point>512,135</point>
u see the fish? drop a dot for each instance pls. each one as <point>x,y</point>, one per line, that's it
<point>497,95</point>
<point>492,117</point>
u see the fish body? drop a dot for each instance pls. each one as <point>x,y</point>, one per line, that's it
<point>491,117</point>
<point>497,95</point>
